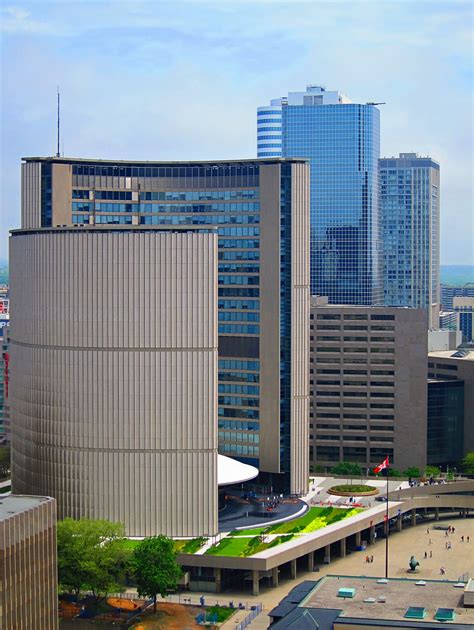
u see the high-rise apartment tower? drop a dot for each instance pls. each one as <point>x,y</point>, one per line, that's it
<point>341,139</point>
<point>409,199</point>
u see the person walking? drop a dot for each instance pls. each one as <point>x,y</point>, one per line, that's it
<point>431,554</point>
<point>426,555</point>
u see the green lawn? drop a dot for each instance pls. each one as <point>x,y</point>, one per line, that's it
<point>315,518</point>
<point>248,532</point>
<point>237,546</point>
<point>189,546</point>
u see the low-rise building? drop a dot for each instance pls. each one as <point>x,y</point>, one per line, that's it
<point>367,385</point>
<point>28,564</point>
<point>457,365</point>
<point>363,603</point>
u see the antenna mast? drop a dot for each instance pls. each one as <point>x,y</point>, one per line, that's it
<point>58,154</point>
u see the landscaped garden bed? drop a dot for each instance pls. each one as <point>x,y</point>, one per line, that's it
<point>348,490</point>
<point>247,542</point>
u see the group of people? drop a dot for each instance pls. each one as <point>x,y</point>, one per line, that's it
<point>369,559</point>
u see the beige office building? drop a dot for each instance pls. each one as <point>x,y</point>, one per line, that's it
<point>261,210</point>
<point>368,385</point>
<point>28,564</point>
<point>113,385</point>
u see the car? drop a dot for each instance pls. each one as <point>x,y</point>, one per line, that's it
<point>381,498</point>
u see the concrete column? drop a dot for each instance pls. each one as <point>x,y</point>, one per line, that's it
<point>218,579</point>
<point>436,513</point>
<point>311,561</point>
<point>327,554</point>
<point>255,582</point>
<point>399,523</point>
<point>372,535</point>
<point>293,569</point>
<point>275,576</point>
<point>358,539</point>
<point>413,517</point>
<point>343,547</point>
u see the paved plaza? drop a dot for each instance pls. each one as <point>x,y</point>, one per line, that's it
<point>457,560</point>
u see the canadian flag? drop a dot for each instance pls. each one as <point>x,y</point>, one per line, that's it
<point>381,466</point>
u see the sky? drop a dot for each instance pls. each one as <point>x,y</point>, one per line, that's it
<point>158,80</point>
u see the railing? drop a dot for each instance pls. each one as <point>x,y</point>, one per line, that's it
<point>464,577</point>
<point>255,610</point>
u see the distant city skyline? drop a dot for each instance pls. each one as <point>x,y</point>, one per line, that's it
<point>158,82</point>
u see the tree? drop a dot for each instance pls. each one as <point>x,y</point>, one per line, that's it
<point>432,471</point>
<point>347,469</point>
<point>468,463</point>
<point>92,555</point>
<point>412,471</point>
<point>4,462</point>
<point>155,568</point>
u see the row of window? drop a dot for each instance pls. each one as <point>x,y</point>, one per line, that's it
<point>237,364</point>
<point>118,219</point>
<point>241,414</point>
<point>249,280</point>
<point>252,390</point>
<point>239,329</point>
<point>210,170</point>
<point>238,317</point>
<point>239,256</point>
<point>200,195</point>
<point>239,377</point>
<point>240,292</point>
<point>239,304</point>
<point>239,425</point>
<point>238,436</point>
<point>356,350</point>
<point>198,208</point>
<point>238,268</point>
<point>235,401</point>
<point>240,449</point>
<point>196,219</point>
<point>373,317</point>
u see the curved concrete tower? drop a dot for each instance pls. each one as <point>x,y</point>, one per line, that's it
<point>113,374</point>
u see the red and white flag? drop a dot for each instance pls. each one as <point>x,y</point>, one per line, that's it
<point>381,466</point>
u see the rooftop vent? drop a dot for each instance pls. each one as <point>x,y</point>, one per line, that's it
<point>445,614</point>
<point>346,592</point>
<point>420,583</point>
<point>415,612</point>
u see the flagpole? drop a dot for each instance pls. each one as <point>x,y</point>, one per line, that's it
<point>387,526</point>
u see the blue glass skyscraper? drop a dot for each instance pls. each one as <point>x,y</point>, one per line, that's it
<point>342,141</point>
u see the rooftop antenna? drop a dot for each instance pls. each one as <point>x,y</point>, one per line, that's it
<point>58,154</point>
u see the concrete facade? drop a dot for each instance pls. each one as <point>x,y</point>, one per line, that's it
<point>28,564</point>
<point>367,385</point>
<point>261,209</point>
<point>458,365</point>
<point>113,374</point>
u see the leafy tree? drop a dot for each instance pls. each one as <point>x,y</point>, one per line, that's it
<point>155,567</point>
<point>432,471</point>
<point>468,463</point>
<point>412,471</point>
<point>92,555</point>
<point>393,472</point>
<point>4,462</point>
<point>348,469</point>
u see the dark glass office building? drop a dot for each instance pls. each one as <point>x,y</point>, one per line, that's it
<point>261,210</point>
<point>445,421</point>
<point>342,141</point>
